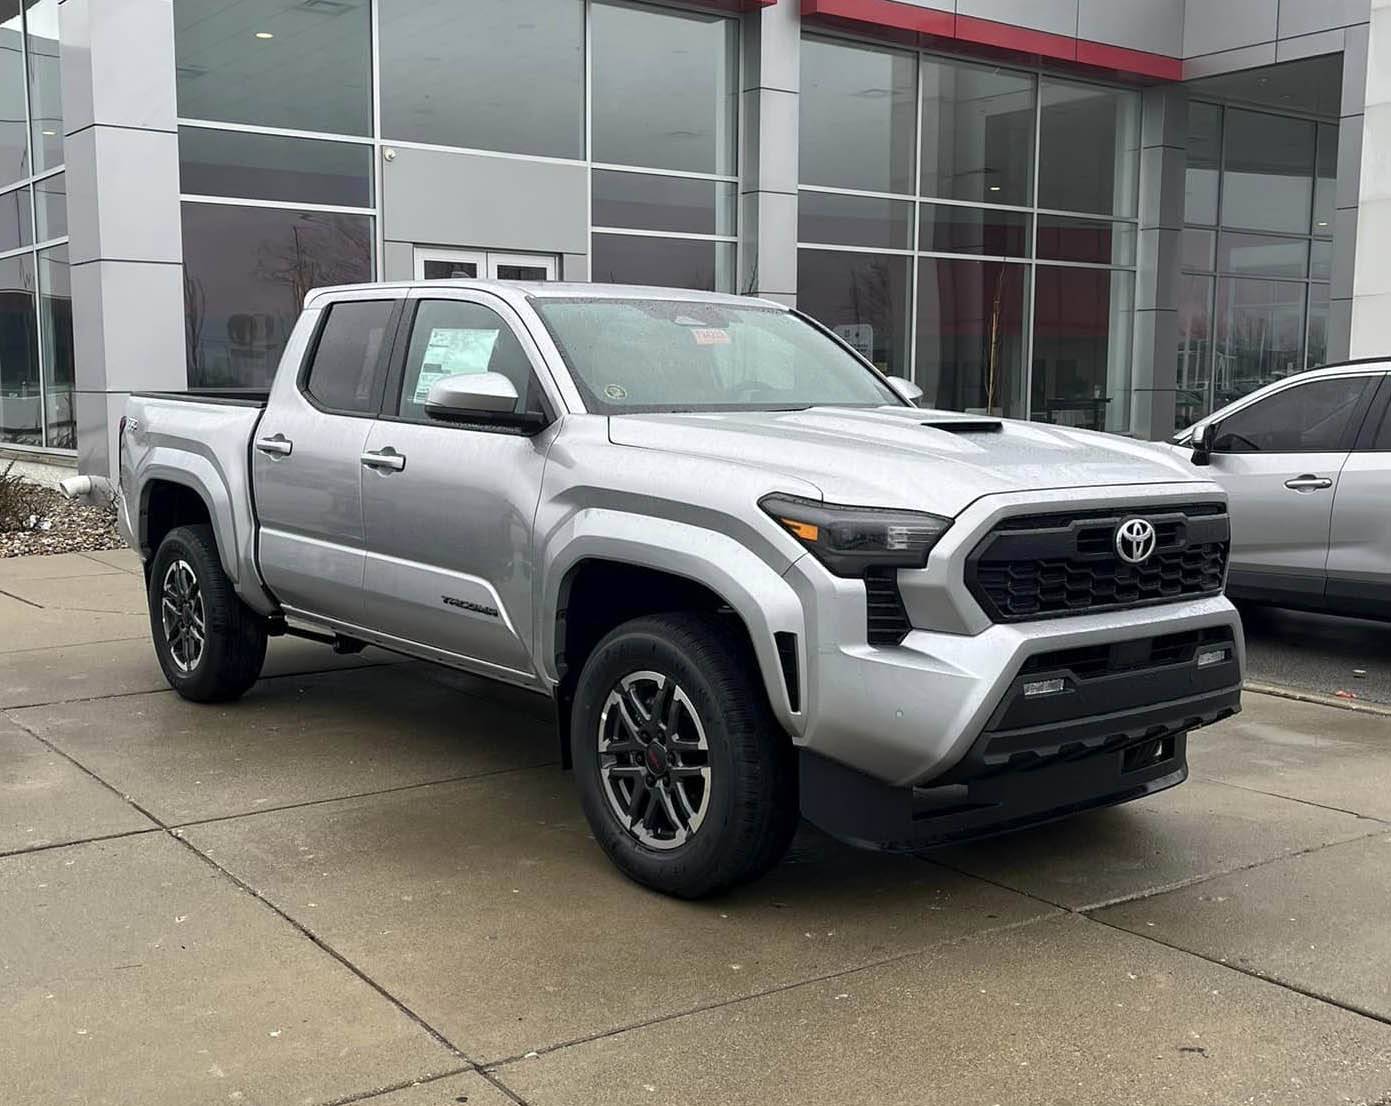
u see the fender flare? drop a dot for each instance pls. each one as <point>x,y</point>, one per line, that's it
<point>753,589</point>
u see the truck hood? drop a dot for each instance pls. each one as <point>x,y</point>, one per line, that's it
<point>939,461</point>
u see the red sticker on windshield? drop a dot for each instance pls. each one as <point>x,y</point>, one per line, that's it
<point>710,336</point>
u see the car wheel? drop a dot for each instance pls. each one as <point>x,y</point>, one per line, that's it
<point>685,776</point>
<point>210,644</point>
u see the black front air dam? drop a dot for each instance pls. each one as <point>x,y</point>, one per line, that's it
<point>1120,758</point>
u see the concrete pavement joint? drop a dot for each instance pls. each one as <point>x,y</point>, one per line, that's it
<point>422,1081</point>
<point>21,599</point>
<point>1294,799</point>
<point>74,645</point>
<point>81,841</point>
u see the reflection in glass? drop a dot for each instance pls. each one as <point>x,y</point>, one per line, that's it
<point>1204,163</point>
<point>21,419</point>
<point>270,167</point>
<point>1321,259</point>
<point>665,88</point>
<point>1316,345</point>
<point>55,311</point>
<point>1269,178</point>
<point>971,335</point>
<point>51,198</point>
<point>14,130</point>
<point>1194,350</point>
<point>1196,249</point>
<point>313,72</point>
<point>946,228</point>
<point>16,219</point>
<point>1259,335</point>
<point>1261,255</point>
<point>45,84</point>
<point>1094,240</point>
<point>858,116</point>
<point>863,298</point>
<point>1082,347</point>
<point>666,262</point>
<point>1089,148</point>
<point>854,220</point>
<point>487,74</point>
<point>1326,180</point>
<point>246,273</point>
<point>977,132</point>
<point>645,201</point>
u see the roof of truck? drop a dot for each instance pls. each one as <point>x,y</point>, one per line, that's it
<point>518,289</point>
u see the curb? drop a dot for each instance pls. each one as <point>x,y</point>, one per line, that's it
<point>1278,692</point>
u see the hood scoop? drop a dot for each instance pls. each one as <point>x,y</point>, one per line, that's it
<point>967,426</point>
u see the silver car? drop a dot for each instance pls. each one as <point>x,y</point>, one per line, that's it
<point>1306,462</point>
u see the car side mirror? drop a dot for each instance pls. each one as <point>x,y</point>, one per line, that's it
<point>479,398</point>
<point>905,388</point>
<point>1201,442</point>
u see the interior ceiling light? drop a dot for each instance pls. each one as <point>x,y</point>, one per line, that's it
<point>264,34</point>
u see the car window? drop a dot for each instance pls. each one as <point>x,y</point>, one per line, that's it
<point>1382,441</point>
<point>347,373</point>
<point>1308,418</point>
<point>451,337</point>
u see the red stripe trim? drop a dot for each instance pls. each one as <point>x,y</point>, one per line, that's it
<point>1004,36</point>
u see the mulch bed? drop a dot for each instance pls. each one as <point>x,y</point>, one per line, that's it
<point>54,524</point>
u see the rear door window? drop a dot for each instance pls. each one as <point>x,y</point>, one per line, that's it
<point>1309,418</point>
<point>348,372</point>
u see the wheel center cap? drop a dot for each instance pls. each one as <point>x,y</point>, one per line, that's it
<point>656,758</point>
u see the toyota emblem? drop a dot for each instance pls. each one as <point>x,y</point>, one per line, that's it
<point>1135,540</point>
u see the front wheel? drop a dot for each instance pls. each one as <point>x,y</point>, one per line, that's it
<point>686,779</point>
<point>210,644</point>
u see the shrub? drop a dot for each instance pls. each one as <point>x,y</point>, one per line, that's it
<point>18,502</point>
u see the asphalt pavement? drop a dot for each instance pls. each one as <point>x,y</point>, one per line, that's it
<point>1348,658</point>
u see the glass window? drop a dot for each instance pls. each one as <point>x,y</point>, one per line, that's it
<point>304,66</point>
<point>1094,240</point>
<point>453,338</point>
<point>1196,249</point>
<point>21,419</point>
<point>1260,331</point>
<point>863,297</point>
<point>1313,417</point>
<point>269,167</point>
<point>946,228</point>
<point>1082,347</point>
<point>971,335</point>
<point>666,262</point>
<point>1383,438</point>
<point>1326,180</point>
<point>16,219</point>
<point>629,356</point>
<point>1320,259</point>
<point>1261,255</point>
<point>1089,148</point>
<point>1194,350</point>
<point>1316,341</point>
<point>487,74</point>
<point>45,84</point>
<point>977,133</point>
<point>55,310</point>
<point>1269,179</point>
<point>1204,163</point>
<point>14,128</point>
<point>51,196</point>
<point>665,88</point>
<point>346,373</point>
<point>645,201</point>
<point>854,220</point>
<point>859,122</point>
<point>246,273</point>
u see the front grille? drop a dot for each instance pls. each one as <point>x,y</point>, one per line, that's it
<point>1090,661</point>
<point>886,620</point>
<point>1047,566</point>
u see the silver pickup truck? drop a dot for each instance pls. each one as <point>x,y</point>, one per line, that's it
<point>757,580</point>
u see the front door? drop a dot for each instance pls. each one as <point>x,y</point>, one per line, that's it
<point>432,263</point>
<point>448,520</point>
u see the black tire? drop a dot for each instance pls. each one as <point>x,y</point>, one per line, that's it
<point>233,646</point>
<point>751,808</point>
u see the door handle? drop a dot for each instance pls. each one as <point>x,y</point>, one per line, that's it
<point>276,446</point>
<point>1308,483</point>
<point>386,459</point>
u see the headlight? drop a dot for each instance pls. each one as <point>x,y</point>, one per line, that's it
<point>849,540</point>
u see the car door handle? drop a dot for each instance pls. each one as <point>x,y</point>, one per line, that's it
<point>276,446</point>
<point>386,459</point>
<point>1308,483</point>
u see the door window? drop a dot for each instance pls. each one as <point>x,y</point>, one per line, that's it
<point>1308,418</point>
<point>453,337</point>
<point>347,374</point>
<point>432,263</point>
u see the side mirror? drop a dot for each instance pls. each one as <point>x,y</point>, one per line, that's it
<point>1201,442</point>
<point>479,397</point>
<point>905,388</point>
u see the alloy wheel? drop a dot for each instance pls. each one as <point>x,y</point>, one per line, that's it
<point>183,616</point>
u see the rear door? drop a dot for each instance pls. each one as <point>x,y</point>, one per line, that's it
<point>449,508</point>
<point>1280,459</point>
<point>1359,552</point>
<point>307,461</point>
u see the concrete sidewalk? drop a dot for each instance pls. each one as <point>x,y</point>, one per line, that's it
<point>368,881</point>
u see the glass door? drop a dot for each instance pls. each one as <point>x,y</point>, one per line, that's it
<point>432,263</point>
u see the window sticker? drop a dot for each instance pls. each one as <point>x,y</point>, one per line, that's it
<point>710,336</point>
<point>454,351</point>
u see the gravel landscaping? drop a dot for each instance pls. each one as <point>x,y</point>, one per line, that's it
<point>35,519</point>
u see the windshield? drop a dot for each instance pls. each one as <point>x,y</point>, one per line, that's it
<point>635,356</point>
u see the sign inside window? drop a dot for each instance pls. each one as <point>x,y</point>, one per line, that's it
<point>453,351</point>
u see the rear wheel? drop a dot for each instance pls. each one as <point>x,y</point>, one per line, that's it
<point>210,644</point>
<point>688,782</point>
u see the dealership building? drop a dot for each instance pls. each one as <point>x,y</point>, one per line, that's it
<point>1113,214</point>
